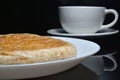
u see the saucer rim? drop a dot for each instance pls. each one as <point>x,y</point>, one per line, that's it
<point>50,31</point>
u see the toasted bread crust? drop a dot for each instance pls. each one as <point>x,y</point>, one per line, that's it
<point>30,48</point>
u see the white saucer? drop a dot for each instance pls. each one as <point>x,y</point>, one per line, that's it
<point>104,32</point>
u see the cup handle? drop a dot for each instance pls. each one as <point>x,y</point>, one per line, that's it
<point>107,11</point>
<point>111,68</point>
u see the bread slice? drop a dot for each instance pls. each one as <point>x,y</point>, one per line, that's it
<point>23,48</point>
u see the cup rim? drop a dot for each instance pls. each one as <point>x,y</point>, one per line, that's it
<point>81,7</point>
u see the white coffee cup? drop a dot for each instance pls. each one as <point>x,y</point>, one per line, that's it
<point>85,19</point>
<point>96,63</point>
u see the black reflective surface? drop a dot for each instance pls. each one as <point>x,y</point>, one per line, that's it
<point>77,73</point>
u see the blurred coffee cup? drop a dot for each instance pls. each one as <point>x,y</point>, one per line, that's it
<point>85,19</point>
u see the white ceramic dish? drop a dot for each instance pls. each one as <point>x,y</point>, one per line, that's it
<point>21,71</point>
<point>103,32</point>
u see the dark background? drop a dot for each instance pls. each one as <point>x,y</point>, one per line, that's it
<point>37,16</point>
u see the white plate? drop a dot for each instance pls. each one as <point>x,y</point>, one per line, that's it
<point>104,32</point>
<point>20,71</point>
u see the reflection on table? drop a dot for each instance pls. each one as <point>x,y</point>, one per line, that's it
<point>77,73</point>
